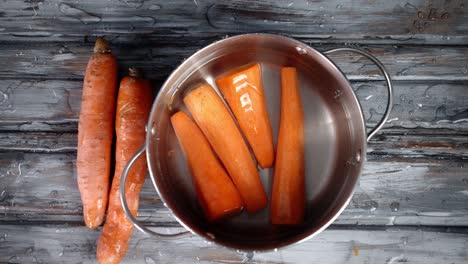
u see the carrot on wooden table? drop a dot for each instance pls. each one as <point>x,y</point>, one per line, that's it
<point>133,108</point>
<point>216,123</point>
<point>243,91</point>
<point>288,195</point>
<point>95,132</point>
<point>217,195</point>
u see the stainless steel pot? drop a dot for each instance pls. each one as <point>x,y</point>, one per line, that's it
<point>335,137</point>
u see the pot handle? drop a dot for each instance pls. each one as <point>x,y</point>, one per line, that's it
<point>126,210</point>
<point>387,80</point>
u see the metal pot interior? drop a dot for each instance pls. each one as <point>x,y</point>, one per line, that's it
<point>334,134</point>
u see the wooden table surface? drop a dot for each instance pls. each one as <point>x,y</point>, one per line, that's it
<point>411,204</point>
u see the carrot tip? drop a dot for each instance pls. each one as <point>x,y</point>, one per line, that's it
<point>135,72</point>
<point>93,222</point>
<point>102,46</point>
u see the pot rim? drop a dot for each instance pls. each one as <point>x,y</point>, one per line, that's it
<point>306,234</point>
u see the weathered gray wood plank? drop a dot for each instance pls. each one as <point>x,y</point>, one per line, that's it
<point>40,100</point>
<point>68,60</point>
<point>52,244</point>
<point>42,142</point>
<point>392,191</point>
<point>401,145</point>
<point>417,170</point>
<point>54,105</point>
<point>414,21</point>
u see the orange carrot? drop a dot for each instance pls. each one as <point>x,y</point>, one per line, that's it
<point>215,190</point>
<point>133,108</point>
<point>288,195</point>
<point>224,136</point>
<point>95,132</point>
<point>243,91</point>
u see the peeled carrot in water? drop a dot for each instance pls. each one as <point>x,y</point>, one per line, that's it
<point>133,108</point>
<point>95,132</point>
<point>288,195</point>
<point>216,123</point>
<point>215,190</point>
<point>243,91</point>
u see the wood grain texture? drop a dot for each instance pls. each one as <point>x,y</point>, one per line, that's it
<point>68,60</point>
<point>413,21</point>
<point>54,105</point>
<point>52,244</point>
<point>411,204</point>
<point>391,143</point>
<point>392,191</point>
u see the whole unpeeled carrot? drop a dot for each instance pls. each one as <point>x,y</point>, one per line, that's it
<point>288,195</point>
<point>95,132</point>
<point>243,91</point>
<point>216,123</point>
<point>216,193</point>
<point>133,108</point>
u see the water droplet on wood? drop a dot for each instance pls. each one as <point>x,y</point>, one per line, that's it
<point>154,7</point>
<point>133,3</point>
<point>410,7</point>
<point>149,260</point>
<point>248,257</point>
<point>404,240</point>
<point>395,206</point>
<point>53,193</point>
<point>79,14</point>
<point>29,250</point>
